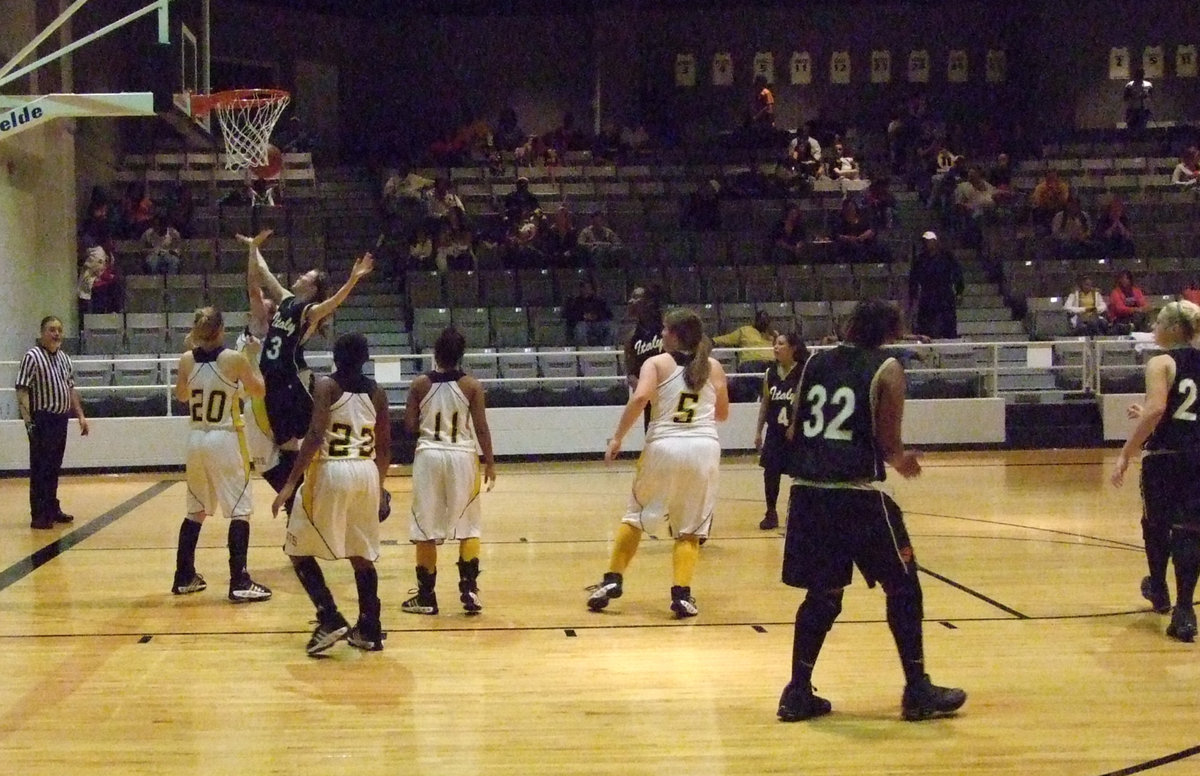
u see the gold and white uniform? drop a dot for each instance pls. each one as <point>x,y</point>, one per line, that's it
<point>446,474</point>
<point>678,471</point>
<point>218,465</point>
<point>337,513</point>
<point>264,453</point>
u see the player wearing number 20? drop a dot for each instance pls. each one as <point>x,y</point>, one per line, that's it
<point>679,466</point>
<point>210,381</point>
<point>1170,432</point>
<point>446,409</point>
<point>849,407</point>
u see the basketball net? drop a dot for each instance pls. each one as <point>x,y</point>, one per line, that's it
<point>247,118</point>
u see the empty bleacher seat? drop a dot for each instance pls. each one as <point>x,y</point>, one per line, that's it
<point>424,289</point>
<point>103,333</point>
<point>146,332</point>
<point>462,289</point>
<point>474,324</point>
<point>144,294</point>
<point>815,319</point>
<point>547,327</point>
<point>722,284</point>
<point>498,288</point>
<point>428,323</point>
<point>510,327</point>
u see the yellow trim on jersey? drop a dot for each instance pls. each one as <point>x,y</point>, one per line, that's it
<point>258,410</point>
<point>244,448</point>
<point>308,490</point>
<point>478,481</point>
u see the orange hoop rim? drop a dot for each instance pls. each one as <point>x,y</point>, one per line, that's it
<point>241,98</point>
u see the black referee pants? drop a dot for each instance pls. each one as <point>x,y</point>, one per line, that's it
<point>47,443</point>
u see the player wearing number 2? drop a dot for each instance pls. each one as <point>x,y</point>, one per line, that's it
<point>446,409</point>
<point>209,381</point>
<point>678,469</point>
<point>849,407</point>
<point>775,412</point>
<point>1168,429</point>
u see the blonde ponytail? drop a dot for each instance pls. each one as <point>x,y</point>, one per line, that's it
<point>689,331</point>
<point>207,328</point>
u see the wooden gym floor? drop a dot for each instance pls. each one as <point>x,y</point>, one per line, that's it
<point>1032,566</point>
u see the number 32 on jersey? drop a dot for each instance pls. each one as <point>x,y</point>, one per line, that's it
<point>840,406</point>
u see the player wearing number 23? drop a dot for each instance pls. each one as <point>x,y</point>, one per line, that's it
<point>846,425</point>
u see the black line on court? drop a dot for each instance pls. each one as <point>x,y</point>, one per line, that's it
<point>1026,527</point>
<point>758,629</point>
<point>975,593</point>
<point>1166,760</point>
<point>40,557</point>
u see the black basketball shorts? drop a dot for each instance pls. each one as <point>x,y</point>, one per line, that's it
<point>289,409</point>
<point>1171,488</point>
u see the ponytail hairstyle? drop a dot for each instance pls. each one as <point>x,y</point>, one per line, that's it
<point>208,329</point>
<point>688,329</point>
<point>1185,315</point>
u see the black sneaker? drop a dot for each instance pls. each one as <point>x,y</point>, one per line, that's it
<point>924,699</point>
<point>421,603</point>
<point>798,703</point>
<point>1183,624</point>
<point>682,602</point>
<point>770,521</point>
<point>248,591</point>
<point>604,592</point>
<point>193,585</point>
<point>1158,595</point>
<point>470,599</point>
<point>366,636</point>
<point>327,634</point>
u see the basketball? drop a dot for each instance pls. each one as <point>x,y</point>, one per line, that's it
<point>273,168</point>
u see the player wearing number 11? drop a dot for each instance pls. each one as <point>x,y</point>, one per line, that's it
<point>210,380</point>
<point>849,407</point>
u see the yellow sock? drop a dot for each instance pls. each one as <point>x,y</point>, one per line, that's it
<point>684,557</point>
<point>468,549</point>
<point>427,556</point>
<point>625,548</point>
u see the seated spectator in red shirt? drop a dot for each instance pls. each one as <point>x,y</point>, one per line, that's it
<point>1127,308</point>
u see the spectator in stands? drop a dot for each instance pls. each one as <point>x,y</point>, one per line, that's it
<point>788,237</point>
<point>1137,101</point>
<point>440,200</point>
<point>974,200</point>
<point>942,163</point>
<point>94,264</point>
<point>1086,306</point>
<point>420,250</point>
<point>879,203</point>
<point>1191,291</point>
<point>1127,308</point>
<point>760,120</point>
<point>520,204</point>
<point>100,224</point>
<point>843,165</point>
<point>1187,172</point>
<point>598,243</point>
<point>935,289</point>
<point>559,239</point>
<point>588,318</point>
<point>855,237</point>
<point>755,343</point>
<point>137,210</point>
<point>1114,238</point>
<point>1072,231</point>
<point>509,134</point>
<point>944,185</point>
<point>1000,174</point>
<point>804,153</point>
<point>180,209</point>
<point>455,245</point>
<point>162,243</point>
<point>565,138</point>
<point>702,209</point>
<point>1049,197</point>
<point>105,282</point>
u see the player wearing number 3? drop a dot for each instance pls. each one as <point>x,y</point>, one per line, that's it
<point>849,407</point>
<point>210,379</point>
<point>446,409</point>
<point>678,469</point>
<point>1168,429</point>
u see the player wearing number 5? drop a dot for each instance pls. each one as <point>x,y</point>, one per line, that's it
<point>1167,428</point>
<point>678,469</point>
<point>210,380</point>
<point>446,410</point>
<point>849,408</point>
<point>775,412</point>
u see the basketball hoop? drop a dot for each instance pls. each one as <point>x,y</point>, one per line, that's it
<point>247,119</point>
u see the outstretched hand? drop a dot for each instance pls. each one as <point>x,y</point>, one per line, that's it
<point>363,266</point>
<point>256,240</point>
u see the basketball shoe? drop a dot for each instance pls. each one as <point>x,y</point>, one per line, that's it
<point>328,632</point>
<point>1158,595</point>
<point>425,600</point>
<point>924,699</point>
<point>682,602</point>
<point>770,520</point>
<point>246,590</point>
<point>798,703</point>
<point>367,636</point>
<point>604,592</point>
<point>1183,624</point>
<point>194,585</point>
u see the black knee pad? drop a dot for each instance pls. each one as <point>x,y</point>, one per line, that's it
<point>820,609</point>
<point>904,597</point>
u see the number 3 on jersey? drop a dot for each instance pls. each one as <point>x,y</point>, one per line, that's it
<point>816,424</point>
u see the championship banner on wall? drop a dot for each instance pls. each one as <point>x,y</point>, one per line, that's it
<point>1185,61</point>
<point>685,70</point>
<point>764,65</point>
<point>1152,61</point>
<point>800,68</point>
<point>1118,64</point>
<point>839,67</point>
<point>956,67</point>
<point>881,66</point>
<point>996,66</point>
<point>918,67</point>
<point>722,69</point>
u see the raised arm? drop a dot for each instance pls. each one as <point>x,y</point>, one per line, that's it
<point>322,310</point>
<point>258,274</point>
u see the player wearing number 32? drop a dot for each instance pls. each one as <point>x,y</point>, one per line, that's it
<point>1167,428</point>
<point>678,469</point>
<point>210,381</point>
<point>849,407</point>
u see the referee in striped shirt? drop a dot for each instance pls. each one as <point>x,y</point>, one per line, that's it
<point>47,397</point>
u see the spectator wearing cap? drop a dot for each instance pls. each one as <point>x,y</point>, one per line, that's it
<point>935,287</point>
<point>599,243</point>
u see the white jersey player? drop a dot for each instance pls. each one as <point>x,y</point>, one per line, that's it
<point>210,381</point>
<point>678,470</point>
<point>446,407</point>
<point>343,461</point>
